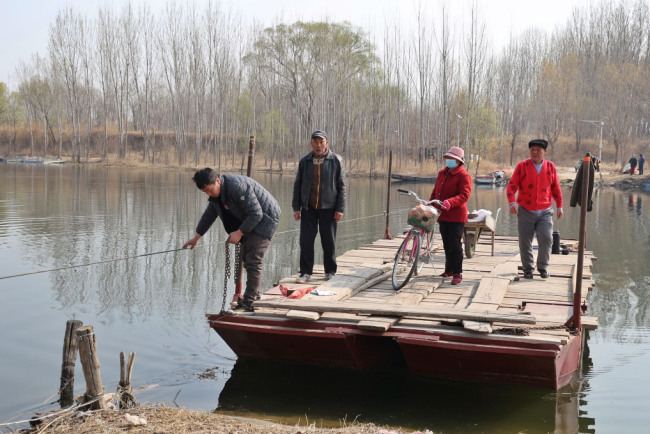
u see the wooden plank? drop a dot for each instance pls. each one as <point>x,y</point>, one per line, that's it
<point>412,294</point>
<point>421,324</point>
<point>400,311</point>
<point>477,326</point>
<point>506,270</point>
<point>344,286</point>
<point>301,315</point>
<point>377,323</point>
<point>488,297</point>
<point>491,290</point>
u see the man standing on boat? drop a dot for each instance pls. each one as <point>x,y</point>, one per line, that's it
<point>318,202</point>
<point>250,215</point>
<point>537,182</point>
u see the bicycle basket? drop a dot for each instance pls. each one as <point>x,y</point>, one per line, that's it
<point>423,217</point>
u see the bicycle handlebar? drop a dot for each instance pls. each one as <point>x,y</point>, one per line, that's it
<point>428,202</point>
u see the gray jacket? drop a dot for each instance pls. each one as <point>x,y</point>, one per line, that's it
<point>248,202</point>
<point>332,183</point>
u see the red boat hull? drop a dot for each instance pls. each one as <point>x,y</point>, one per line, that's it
<point>310,344</point>
<point>426,353</point>
<point>546,368</point>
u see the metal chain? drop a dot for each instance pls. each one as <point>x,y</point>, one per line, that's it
<point>237,259</point>
<point>525,331</point>
<point>227,274</point>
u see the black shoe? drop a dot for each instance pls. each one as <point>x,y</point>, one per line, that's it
<point>528,274</point>
<point>242,307</point>
<point>543,274</point>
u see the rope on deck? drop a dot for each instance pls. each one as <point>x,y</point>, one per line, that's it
<point>168,251</point>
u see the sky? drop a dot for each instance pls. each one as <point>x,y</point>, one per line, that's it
<point>24,23</point>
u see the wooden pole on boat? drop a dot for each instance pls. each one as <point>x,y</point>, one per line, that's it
<point>584,204</point>
<point>90,364</point>
<point>240,268</point>
<point>387,235</point>
<point>69,360</point>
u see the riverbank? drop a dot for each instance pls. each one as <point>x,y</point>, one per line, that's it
<point>161,419</point>
<point>611,177</point>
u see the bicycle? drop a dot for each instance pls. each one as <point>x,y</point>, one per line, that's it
<point>410,251</point>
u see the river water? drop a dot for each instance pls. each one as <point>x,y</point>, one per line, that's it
<point>57,216</point>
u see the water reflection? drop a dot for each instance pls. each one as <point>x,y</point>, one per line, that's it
<point>56,216</point>
<point>287,393</point>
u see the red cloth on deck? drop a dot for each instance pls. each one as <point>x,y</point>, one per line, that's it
<point>297,294</point>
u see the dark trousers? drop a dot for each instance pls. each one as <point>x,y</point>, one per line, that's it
<point>452,235</point>
<point>641,168</point>
<point>311,222</point>
<point>253,251</point>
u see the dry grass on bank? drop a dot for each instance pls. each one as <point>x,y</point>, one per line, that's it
<point>166,420</point>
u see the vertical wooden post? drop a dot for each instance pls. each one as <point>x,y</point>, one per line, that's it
<point>251,153</point>
<point>584,204</point>
<point>66,389</point>
<point>240,269</point>
<point>90,364</point>
<point>387,235</point>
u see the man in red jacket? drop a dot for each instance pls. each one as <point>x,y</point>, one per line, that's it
<point>453,188</point>
<point>537,182</point>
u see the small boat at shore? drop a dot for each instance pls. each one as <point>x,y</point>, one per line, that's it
<point>495,177</point>
<point>33,160</point>
<point>55,161</point>
<point>413,178</point>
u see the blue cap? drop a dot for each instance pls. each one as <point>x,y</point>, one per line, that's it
<point>319,133</point>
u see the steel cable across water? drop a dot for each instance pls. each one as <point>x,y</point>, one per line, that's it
<point>173,250</point>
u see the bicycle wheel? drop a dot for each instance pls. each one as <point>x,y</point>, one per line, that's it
<point>426,246</point>
<point>406,259</point>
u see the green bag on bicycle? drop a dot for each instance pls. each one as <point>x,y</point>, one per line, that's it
<point>423,217</point>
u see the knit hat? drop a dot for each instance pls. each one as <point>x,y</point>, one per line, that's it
<point>538,142</point>
<point>456,153</point>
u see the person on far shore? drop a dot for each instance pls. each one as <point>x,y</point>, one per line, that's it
<point>632,162</point>
<point>537,182</point>
<point>318,203</point>
<point>641,161</point>
<point>453,187</point>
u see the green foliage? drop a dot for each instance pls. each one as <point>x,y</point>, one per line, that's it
<point>273,130</point>
<point>307,46</point>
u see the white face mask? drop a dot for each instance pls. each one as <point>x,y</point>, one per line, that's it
<point>452,164</point>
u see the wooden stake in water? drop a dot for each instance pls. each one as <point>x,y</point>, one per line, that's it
<point>69,360</point>
<point>125,390</point>
<point>90,364</point>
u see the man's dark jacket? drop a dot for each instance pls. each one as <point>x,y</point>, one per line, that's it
<point>248,202</point>
<point>332,193</point>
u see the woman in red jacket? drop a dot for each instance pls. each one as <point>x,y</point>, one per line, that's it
<point>453,188</point>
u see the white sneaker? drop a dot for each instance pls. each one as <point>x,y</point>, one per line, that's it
<point>303,278</point>
<point>328,276</point>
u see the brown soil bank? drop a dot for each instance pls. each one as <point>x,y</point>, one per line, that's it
<point>163,420</point>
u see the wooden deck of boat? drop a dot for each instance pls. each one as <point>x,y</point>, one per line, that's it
<point>491,284</point>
